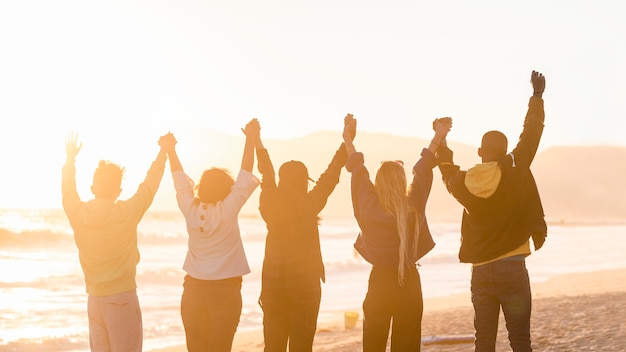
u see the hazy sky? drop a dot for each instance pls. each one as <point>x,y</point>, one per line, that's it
<point>123,72</point>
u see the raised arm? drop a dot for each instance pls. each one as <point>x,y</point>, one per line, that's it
<point>146,191</point>
<point>444,154</point>
<point>539,84</point>
<point>526,148</point>
<point>70,197</point>
<point>168,145</point>
<point>349,132</point>
<point>441,126</point>
<point>258,143</point>
<point>252,132</point>
<point>264,163</point>
<point>72,147</point>
<point>423,169</point>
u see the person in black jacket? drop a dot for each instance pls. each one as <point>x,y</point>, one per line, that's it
<point>292,267</point>
<point>502,212</point>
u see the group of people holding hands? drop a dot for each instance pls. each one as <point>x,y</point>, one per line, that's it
<point>502,212</point>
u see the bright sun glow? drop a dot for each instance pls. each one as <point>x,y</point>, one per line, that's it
<point>121,73</point>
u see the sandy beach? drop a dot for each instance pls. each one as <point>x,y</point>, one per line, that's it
<point>574,312</point>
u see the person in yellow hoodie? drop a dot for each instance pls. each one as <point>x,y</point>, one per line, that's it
<point>502,212</point>
<point>105,232</point>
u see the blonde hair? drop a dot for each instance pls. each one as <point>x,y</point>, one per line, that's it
<point>391,187</point>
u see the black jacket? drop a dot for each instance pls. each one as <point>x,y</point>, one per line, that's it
<point>501,222</point>
<point>293,258</point>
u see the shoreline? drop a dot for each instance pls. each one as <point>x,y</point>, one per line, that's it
<point>562,301</point>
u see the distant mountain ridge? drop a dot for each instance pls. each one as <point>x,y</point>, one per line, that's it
<point>576,183</point>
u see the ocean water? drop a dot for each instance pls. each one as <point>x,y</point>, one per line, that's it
<point>43,300</point>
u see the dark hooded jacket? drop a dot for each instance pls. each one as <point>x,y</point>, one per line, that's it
<point>502,207</point>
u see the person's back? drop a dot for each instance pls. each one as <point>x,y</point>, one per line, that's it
<point>105,232</point>
<point>503,208</point>
<point>216,261</point>
<point>393,236</point>
<point>502,211</point>
<point>293,257</point>
<point>293,267</point>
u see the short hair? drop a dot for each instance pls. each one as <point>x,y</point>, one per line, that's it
<point>215,184</point>
<point>107,179</point>
<point>493,145</point>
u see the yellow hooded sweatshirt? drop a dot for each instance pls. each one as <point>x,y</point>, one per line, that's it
<point>482,180</point>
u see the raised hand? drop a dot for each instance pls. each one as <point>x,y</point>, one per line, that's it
<point>167,142</point>
<point>252,129</point>
<point>539,82</point>
<point>72,146</point>
<point>349,127</point>
<point>442,120</point>
<point>253,136</point>
<point>441,126</point>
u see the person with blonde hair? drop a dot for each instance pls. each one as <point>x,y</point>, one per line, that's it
<point>394,236</point>
<point>216,261</point>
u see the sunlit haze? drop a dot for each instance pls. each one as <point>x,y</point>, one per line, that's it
<point>121,73</point>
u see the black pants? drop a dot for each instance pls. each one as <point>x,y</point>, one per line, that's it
<point>290,317</point>
<point>387,303</point>
<point>210,310</point>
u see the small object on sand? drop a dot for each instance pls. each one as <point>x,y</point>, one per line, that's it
<point>447,339</point>
<point>350,319</point>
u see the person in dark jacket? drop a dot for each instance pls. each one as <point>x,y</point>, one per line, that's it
<point>292,267</point>
<point>394,236</point>
<point>502,212</point>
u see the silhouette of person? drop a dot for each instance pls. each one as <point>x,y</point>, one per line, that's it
<point>394,236</point>
<point>502,211</point>
<point>105,232</point>
<point>292,266</point>
<point>215,263</point>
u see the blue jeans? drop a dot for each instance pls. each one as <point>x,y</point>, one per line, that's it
<point>290,317</point>
<point>210,310</point>
<point>503,283</point>
<point>389,304</point>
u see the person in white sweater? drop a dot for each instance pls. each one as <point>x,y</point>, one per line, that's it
<point>215,263</point>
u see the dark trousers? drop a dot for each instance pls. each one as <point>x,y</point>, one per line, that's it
<point>290,317</point>
<point>387,303</point>
<point>210,310</point>
<point>503,283</point>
